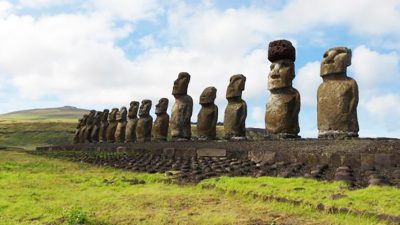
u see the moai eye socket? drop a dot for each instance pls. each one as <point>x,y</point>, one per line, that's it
<point>272,66</point>
<point>325,54</point>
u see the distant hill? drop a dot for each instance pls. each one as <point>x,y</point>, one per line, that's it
<point>66,113</point>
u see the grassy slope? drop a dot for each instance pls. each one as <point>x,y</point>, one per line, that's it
<point>38,190</point>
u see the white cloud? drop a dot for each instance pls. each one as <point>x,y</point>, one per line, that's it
<point>385,109</point>
<point>307,81</point>
<point>36,4</point>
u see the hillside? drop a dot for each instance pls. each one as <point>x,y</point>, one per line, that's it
<point>66,113</point>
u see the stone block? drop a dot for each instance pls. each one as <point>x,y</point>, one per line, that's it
<point>169,152</point>
<point>211,152</point>
<point>262,156</point>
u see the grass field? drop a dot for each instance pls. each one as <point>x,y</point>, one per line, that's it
<point>39,190</point>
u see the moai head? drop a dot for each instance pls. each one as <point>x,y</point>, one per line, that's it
<point>98,117</point>
<point>145,108</point>
<point>162,106</point>
<point>104,115</point>
<point>181,84</point>
<point>133,109</point>
<point>90,118</point>
<point>335,61</point>
<point>84,118</point>
<point>80,123</point>
<point>208,95</point>
<point>121,115</point>
<point>112,116</point>
<point>282,54</point>
<point>236,86</point>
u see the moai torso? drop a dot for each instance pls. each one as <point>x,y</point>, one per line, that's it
<point>112,125</point>
<point>283,107</point>
<point>161,124</point>
<point>89,126</point>
<point>96,127</point>
<point>337,102</point>
<point>337,97</point>
<point>282,113</point>
<point>182,109</point>
<point>236,110</point>
<point>130,131</point>
<point>208,115</point>
<point>103,126</point>
<point>145,122</point>
<point>121,126</point>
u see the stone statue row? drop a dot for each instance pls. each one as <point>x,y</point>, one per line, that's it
<point>336,106</point>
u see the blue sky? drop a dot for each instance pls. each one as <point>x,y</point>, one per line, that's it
<point>102,54</point>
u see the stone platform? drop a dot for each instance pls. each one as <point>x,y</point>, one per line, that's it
<point>359,161</point>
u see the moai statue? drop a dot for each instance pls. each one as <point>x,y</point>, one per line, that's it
<point>236,110</point>
<point>208,115</point>
<point>160,126</point>
<point>89,126</point>
<point>130,131</point>
<point>77,131</point>
<point>82,130</point>
<point>103,126</point>
<point>282,114</point>
<point>337,97</point>
<point>182,109</point>
<point>112,125</point>
<point>145,122</point>
<point>96,127</point>
<point>121,126</point>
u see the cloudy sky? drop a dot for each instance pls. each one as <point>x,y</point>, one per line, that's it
<point>104,53</point>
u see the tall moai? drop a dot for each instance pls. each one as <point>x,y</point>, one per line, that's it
<point>112,125</point>
<point>145,122</point>
<point>337,97</point>
<point>83,129</point>
<point>236,110</point>
<point>130,131</point>
<point>96,127</point>
<point>283,107</point>
<point>182,110</point>
<point>103,126</point>
<point>161,124</point>
<point>89,126</point>
<point>77,130</point>
<point>121,125</point>
<point>208,115</point>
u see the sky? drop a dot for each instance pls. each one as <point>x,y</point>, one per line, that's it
<point>98,54</point>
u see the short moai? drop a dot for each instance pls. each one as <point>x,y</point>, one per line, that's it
<point>283,107</point>
<point>103,126</point>
<point>121,126</point>
<point>236,110</point>
<point>89,126</point>
<point>180,125</point>
<point>337,97</point>
<point>130,131</point>
<point>208,115</point>
<point>161,124</point>
<point>77,131</point>
<point>82,130</point>
<point>145,122</point>
<point>96,127</point>
<point>112,125</point>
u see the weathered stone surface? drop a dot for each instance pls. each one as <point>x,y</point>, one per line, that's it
<point>145,122</point>
<point>208,115</point>
<point>89,126</point>
<point>236,110</point>
<point>182,110</point>
<point>130,131</point>
<point>121,126</point>
<point>262,156</point>
<point>337,96</point>
<point>103,126</point>
<point>112,125</point>
<point>96,127</point>
<point>211,152</point>
<point>161,124</point>
<point>282,110</point>
<point>79,126</point>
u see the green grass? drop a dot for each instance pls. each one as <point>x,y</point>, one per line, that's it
<point>39,190</point>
